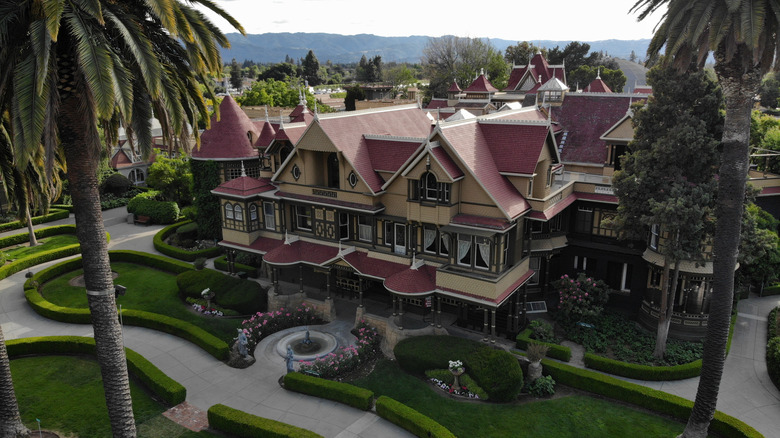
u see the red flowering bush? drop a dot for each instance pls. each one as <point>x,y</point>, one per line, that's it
<point>580,299</point>
<point>261,325</point>
<point>347,358</point>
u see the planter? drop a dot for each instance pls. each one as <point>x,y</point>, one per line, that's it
<point>534,370</point>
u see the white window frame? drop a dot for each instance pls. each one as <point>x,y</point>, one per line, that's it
<point>365,230</point>
<point>228,211</point>
<point>238,212</point>
<point>306,214</point>
<point>253,212</point>
<point>655,236</point>
<point>269,216</point>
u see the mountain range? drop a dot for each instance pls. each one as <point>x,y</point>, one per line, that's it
<point>274,47</point>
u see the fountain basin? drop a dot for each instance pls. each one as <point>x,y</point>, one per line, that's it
<point>321,344</point>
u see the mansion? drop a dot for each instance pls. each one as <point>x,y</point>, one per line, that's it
<point>470,207</point>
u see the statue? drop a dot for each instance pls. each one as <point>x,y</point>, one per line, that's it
<point>306,339</point>
<point>289,359</point>
<point>242,343</point>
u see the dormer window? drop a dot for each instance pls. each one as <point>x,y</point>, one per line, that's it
<point>428,188</point>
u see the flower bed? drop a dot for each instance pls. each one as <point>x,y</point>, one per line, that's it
<point>348,358</point>
<point>262,325</point>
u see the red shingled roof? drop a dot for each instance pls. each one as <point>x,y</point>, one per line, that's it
<point>300,252</point>
<point>469,142</point>
<point>347,132</point>
<point>480,221</point>
<point>120,160</point>
<point>454,88</point>
<point>598,86</point>
<point>537,67</point>
<point>501,297</point>
<point>245,186</point>
<point>227,138</point>
<point>389,155</point>
<point>586,117</point>
<point>481,85</point>
<point>420,281</point>
<point>437,103</point>
<point>446,162</point>
<point>334,202</point>
<point>515,148</point>
<point>261,244</point>
<point>373,267</point>
<point>267,134</point>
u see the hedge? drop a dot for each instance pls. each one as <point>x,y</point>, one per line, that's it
<point>724,425</point>
<point>240,424</point>
<point>205,340</point>
<point>45,256</point>
<point>350,395</point>
<point>159,212</point>
<point>20,238</point>
<point>170,391</point>
<point>55,214</point>
<point>650,372</point>
<point>409,419</point>
<point>178,253</point>
<point>495,371</point>
<point>771,290</point>
<point>244,296</point>
<point>773,348</point>
<point>554,351</point>
<point>222,264</point>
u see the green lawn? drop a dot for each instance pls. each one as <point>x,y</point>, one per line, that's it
<point>574,416</point>
<point>148,289</point>
<point>66,394</point>
<point>45,244</point>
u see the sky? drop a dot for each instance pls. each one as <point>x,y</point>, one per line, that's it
<point>519,20</point>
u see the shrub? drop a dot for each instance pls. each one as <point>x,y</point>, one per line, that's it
<point>537,351</point>
<point>554,351</point>
<point>643,372</point>
<point>261,325</point>
<point>244,296</point>
<point>116,184</point>
<point>579,299</point>
<point>189,212</point>
<point>497,372</point>
<point>178,253</point>
<point>222,264</point>
<point>199,263</point>
<point>542,387</point>
<point>542,331</point>
<point>409,419</point>
<point>773,347</point>
<point>350,395</point>
<point>240,424</point>
<point>187,231</point>
<point>160,212</point>
<point>348,358</point>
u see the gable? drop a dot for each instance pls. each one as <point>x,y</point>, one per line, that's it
<point>622,131</point>
<point>315,139</point>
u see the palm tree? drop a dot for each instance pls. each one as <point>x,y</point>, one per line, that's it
<point>11,425</point>
<point>29,186</point>
<point>743,36</point>
<point>75,68</point>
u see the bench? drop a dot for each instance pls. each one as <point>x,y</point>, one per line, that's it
<point>142,220</point>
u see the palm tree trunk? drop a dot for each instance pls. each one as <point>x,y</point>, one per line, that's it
<point>739,86</point>
<point>33,239</point>
<point>11,425</point>
<point>82,163</point>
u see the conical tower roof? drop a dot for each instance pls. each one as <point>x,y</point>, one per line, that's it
<point>230,137</point>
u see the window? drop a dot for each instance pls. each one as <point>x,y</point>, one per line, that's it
<point>352,179</point>
<point>228,211</point>
<point>429,189</point>
<point>549,176</point>
<point>414,190</point>
<point>430,241</point>
<point>388,233</point>
<point>343,226</point>
<point>238,212</point>
<point>474,251</point>
<point>333,170</point>
<point>534,263</point>
<point>268,215</point>
<point>530,187</point>
<point>303,217</point>
<point>584,220</point>
<point>296,172</point>
<point>253,212</point>
<point>136,176</point>
<point>365,228</point>
<point>655,231</point>
<point>606,224</point>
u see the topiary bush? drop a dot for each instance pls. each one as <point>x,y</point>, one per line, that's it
<point>116,184</point>
<point>187,231</point>
<point>243,296</point>
<point>147,204</point>
<point>497,372</point>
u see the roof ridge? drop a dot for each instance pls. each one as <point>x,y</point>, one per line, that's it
<point>345,114</point>
<point>393,137</point>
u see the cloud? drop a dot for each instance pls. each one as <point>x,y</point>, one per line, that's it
<point>280,22</point>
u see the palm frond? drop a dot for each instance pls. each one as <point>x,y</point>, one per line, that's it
<point>163,10</point>
<point>50,134</point>
<point>233,22</point>
<point>752,17</point>
<point>140,125</point>
<point>94,61</point>
<point>140,47</point>
<point>123,86</point>
<point>93,8</point>
<point>52,10</point>
<point>28,108</point>
<point>40,40</point>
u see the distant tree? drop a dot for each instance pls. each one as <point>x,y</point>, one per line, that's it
<point>668,177</point>
<point>450,57</point>
<point>288,60</point>
<point>235,74</point>
<point>354,94</point>
<point>279,72</point>
<point>759,254</point>
<point>521,53</point>
<point>765,136</point>
<point>376,69</point>
<point>632,57</point>
<point>311,69</point>
<point>369,70</point>
<point>770,91</point>
<point>584,75</point>
<point>172,177</point>
<point>362,71</point>
<point>278,93</point>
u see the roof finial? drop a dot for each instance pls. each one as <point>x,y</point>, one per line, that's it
<point>301,98</point>
<point>243,170</point>
<point>316,111</point>
<point>266,113</point>
<point>598,73</point>
<point>281,120</point>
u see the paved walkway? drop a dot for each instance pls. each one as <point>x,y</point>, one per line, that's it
<point>746,391</point>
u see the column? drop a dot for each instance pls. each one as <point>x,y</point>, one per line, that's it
<point>493,326</point>
<point>524,320</point>
<point>395,298</point>
<point>400,314</point>
<point>547,273</point>
<point>485,325</point>
<point>300,278</point>
<point>275,279</point>
<point>438,312</point>
<point>360,291</point>
<point>327,284</point>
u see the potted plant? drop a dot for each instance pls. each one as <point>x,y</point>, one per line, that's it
<point>536,352</point>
